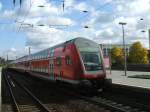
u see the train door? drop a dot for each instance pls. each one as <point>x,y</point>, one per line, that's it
<point>51,68</point>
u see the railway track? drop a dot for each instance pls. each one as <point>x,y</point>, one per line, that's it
<point>111,104</point>
<point>108,103</point>
<point>115,104</point>
<point>60,101</point>
<point>34,104</point>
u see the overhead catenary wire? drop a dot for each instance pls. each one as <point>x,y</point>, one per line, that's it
<point>27,13</point>
<point>100,7</point>
<point>16,20</point>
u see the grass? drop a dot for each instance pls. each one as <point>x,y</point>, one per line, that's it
<point>140,76</point>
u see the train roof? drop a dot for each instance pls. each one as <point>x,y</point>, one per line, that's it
<point>69,41</point>
<point>26,57</point>
<point>62,44</point>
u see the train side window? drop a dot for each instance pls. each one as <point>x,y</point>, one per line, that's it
<point>58,61</point>
<point>51,52</point>
<point>45,54</point>
<point>68,60</point>
<point>51,66</point>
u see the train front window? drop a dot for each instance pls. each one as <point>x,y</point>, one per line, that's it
<point>90,55</point>
<point>91,61</point>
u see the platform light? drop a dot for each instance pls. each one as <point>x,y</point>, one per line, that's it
<point>124,46</point>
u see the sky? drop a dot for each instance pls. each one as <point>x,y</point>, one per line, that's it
<point>37,27</point>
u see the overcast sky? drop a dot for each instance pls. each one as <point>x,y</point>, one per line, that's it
<point>102,19</point>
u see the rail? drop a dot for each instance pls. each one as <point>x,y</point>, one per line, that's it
<point>112,105</point>
<point>109,104</point>
<point>16,106</point>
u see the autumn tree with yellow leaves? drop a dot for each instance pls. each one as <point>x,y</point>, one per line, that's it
<point>138,54</point>
<point>117,55</point>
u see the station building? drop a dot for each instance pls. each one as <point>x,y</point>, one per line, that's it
<point>106,48</point>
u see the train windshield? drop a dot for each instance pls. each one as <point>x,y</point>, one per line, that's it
<point>90,54</point>
<point>91,61</point>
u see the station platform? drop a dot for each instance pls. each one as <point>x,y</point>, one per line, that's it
<point>118,77</point>
<point>0,90</point>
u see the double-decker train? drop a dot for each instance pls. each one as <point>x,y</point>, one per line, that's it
<point>77,61</point>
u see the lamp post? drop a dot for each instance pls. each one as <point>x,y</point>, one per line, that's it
<point>148,33</point>
<point>149,37</point>
<point>124,47</point>
<point>143,31</point>
<point>29,57</point>
<point>110,64</point>
<point>7,59</point>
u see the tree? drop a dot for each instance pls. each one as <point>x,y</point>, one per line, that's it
<point>138,54</point>
<point>149,55</point>
<point>117,55</point>
<point>2,61</point>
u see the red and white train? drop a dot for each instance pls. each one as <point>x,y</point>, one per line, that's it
<point>77,61</point>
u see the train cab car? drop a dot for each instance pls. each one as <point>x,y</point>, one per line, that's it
<point>78,61</point>
<point>91,59</point>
